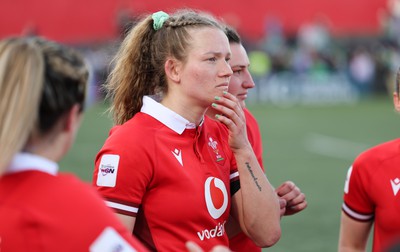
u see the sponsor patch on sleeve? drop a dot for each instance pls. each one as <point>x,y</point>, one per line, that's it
<point>108,169</point>
<point>110,240</point>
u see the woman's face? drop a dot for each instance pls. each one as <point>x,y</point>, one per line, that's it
<point>241,80</point>
<point>206,72</point>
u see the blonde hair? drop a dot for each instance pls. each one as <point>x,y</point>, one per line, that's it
<point>139,63</point>
<point>21,82</point>
<point>40,80</point>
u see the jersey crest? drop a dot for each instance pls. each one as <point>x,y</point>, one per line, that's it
<point>216,151</point>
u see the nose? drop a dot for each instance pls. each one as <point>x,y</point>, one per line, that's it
<point>227,70</point>
<point>248,81</point>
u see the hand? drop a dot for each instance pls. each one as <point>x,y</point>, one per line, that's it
<point>193,247</point>
<point>282,205</point>
<point>231,114</point>
<point>295,199</point>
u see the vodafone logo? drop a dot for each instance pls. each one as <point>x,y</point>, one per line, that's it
<point>216,196</point>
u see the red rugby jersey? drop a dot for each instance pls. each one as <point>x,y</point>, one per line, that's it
<point>254,135</point>
<point>43,211</point>
<point>372,192</point>
<point>173,177</point>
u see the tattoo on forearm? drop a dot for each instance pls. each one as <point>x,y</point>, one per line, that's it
<point>252,175</point>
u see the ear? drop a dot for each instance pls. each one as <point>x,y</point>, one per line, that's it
<point>72,118</point>
<point>396,101</point>
<point>172,69</point>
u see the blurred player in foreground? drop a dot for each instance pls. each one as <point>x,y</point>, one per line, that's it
<point>42,94</point>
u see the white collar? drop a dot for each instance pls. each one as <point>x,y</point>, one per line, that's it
<point>24,161</point>
<point>165,115</point>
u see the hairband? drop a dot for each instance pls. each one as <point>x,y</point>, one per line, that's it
<point>159,19</point>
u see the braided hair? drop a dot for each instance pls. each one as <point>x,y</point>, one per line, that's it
<point>139,63</point>
<point>40,80</point>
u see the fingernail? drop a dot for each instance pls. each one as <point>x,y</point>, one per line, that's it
<point>214,105</point>
<point>217,98</point>
<point>225,92</point>
<point>217,116</point>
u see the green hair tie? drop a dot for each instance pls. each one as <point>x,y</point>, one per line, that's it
<point>159,19</point>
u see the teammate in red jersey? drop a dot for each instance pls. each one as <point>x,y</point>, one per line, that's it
<point>169,172</point>
<point>371,196</point>
<point>292,200</point>
<point>42,91</point>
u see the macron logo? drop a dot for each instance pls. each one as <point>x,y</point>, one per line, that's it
<point>178,155</point>
<point>395,185</point>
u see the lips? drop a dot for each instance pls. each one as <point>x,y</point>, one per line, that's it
<point>223,85</point>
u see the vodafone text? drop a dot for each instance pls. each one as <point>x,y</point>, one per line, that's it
<point>218,231</point>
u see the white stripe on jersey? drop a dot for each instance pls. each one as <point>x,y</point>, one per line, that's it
<point>122,207</point>
<point>234,175</point>
<point>356,215</point>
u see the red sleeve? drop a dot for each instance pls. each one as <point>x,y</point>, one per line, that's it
<point>123,170</point>
<point>357,203</point>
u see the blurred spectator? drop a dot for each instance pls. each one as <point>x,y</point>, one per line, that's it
<point>362,69</point>
<point>393,21</point>
<point>274,41</point>
<point>98,56</point>
<point>314,36</point>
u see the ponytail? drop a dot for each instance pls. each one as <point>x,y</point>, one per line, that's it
<point>21,82</point>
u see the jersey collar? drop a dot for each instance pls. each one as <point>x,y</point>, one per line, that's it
<point>24,161</point>
<point>166,116</point>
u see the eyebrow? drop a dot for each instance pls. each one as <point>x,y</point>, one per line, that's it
<point>217,53</point>
<point>240,66</point>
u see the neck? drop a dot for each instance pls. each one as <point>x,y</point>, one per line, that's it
<point>51,146</point>
<point>191,113</point>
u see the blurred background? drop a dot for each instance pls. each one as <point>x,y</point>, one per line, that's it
<point>302,51</point>
<point>324,72</point>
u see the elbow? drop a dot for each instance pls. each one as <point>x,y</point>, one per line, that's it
<point>268,238</point>
<point>269,241</point>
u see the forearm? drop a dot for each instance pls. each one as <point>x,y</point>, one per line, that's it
<point>258,210</point>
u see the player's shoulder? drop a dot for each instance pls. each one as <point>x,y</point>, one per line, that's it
<point>70,185</point>
<point>62,192</point>
<point>135,130</point>
<point>379,154</point>
<point>134,126</point>
<point>75,195</point>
